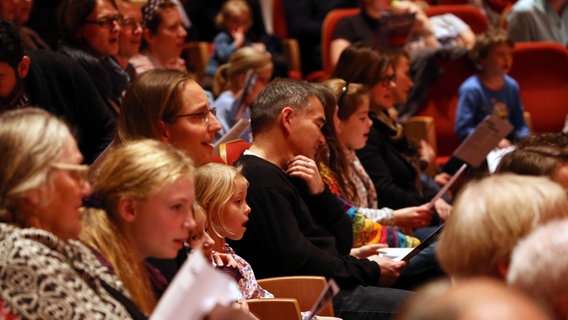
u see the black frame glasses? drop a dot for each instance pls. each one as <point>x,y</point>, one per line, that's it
<point>108,22</point>
<point>203,116</point>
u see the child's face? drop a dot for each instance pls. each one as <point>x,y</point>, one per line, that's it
<point>160,223</point>
<point>200,239</point>
<point>499,60</point>
<point>238,21</point>
<point>353,132</point>
<point>235,212</point>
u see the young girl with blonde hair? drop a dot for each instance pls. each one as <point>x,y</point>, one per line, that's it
<point>145,192</point>
<point>222,191</point>
<point>229,84</point>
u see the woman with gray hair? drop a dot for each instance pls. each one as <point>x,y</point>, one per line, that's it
<point>44,272</point>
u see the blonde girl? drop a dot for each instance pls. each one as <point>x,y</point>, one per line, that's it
<point>229,83</point>
<point>222,191</point>
<point>145,189</point>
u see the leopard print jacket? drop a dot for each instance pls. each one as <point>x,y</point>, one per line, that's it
<point>43,277</point>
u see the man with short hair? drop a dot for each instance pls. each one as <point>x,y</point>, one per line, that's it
<point>55,83</point>
<point>297,226</point>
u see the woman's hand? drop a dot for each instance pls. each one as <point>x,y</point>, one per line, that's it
<point>306,169</point>
<point>413,217</point>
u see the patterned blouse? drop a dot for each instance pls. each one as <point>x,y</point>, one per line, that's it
<point>366,230</point>
<point>250,289</point>
<point>43,277</point>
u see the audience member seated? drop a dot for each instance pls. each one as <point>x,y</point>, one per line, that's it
<point>391,162</point>
<point>346,129</point>
<point>45,272</point>
<point>141,208</point>
<point>130,36</point>
<point>539,20</point>
<point>54,82</point>
<point>491,91</point>
<point>296,226</point>
<point>539,267</point>
<point>221,190</point>
<point>89,32</point>
<point>230,82</point>
<point>163,38</point>
<point>490,217</point>
<point>544,154</point>
<point>475,299</point>
<point>168,105</point>
<point>234,20</point>
<point>31,39</point>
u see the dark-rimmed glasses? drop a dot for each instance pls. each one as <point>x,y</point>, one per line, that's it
<point>108,22</point>
<point>202,116</point>
<point>78,171</point>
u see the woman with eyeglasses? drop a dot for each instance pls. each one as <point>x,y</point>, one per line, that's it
<point>390,160</point>
<point>168,105</point>
<point>130,35</point>
<point>90,35</point>
<point>45,273</point>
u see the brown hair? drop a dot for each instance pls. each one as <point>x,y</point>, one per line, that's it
<point>71,17</point>
<point>488,40</point>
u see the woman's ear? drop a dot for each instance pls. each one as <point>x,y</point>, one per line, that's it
<point>164,135</point>
<point>127,209</point>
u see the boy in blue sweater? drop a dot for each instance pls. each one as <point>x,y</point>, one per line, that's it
<point>491,91</point>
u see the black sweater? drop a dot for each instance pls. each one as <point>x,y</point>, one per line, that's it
<point>289,233</point>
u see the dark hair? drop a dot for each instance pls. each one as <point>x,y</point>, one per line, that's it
<point>11,48</point>
<point>538,155</point>
<point>277,95</point>
<point>152,13</point>
<point>332,153</point>
<point>71,17</point>
<point>487,41</point>
<point>362,63</point>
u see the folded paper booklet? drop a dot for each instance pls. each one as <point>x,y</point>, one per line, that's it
<point>195,290</point>
<point>234,133</point>
<point>395,29</point>
<point>423,245</point>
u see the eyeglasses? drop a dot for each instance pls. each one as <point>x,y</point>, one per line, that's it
<point>132,24</point>
<point>78,171</point>
<point>387,80</point>
<point>343,94</point>
<point>108,22</point>
<point>203,116</point>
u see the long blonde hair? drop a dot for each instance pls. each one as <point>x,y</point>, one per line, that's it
<point>242,60</point>
<point>136,170</point>
<point>214,187</point>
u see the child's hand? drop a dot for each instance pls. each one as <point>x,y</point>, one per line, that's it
<point>238,36</point>
<point>413,217</point>
<point>307,170</point>
<point>427,153</point>
<point>223,259</point>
